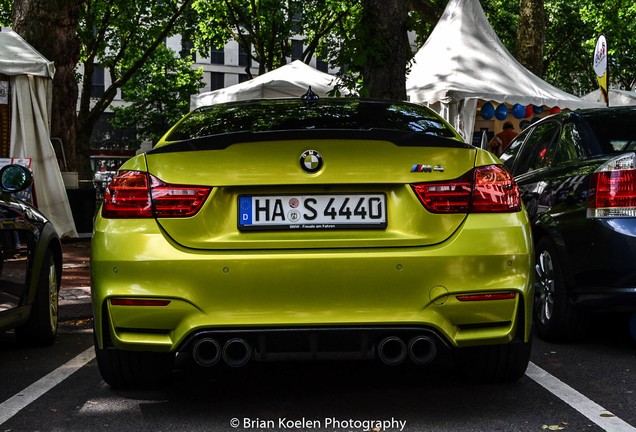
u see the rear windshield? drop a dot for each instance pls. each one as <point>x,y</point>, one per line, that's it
<point>326,114</point>
<point>615,130</point>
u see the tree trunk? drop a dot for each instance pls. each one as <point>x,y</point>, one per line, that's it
<point>531,35</point>
<point>385,70</point>
<point>50,26</point>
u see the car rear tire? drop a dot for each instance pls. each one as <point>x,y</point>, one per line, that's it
<point>556,318</point>
<point>134,369</point>
<point>495,363</point>
<point>41,328</point>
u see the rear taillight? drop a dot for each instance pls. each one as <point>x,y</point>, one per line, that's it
<point>495,191</point>
<point>128,196</point>
<point>134,194</point>
<point>486,189</point>
<point>612,191</point>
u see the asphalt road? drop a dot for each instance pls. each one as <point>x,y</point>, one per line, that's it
<point>587,386</point>
<point>52,389</point>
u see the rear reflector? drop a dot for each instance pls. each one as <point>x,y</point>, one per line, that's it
<point>135,194</point>
<point>483,297</point>
<point>486,189</point>
<point>612,191</point>
<point>139,302</point>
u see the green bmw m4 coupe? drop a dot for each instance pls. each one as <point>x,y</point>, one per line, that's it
<point>311,229</point>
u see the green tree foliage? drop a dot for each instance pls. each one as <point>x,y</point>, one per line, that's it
<point>264,28</point>
<point>119,36</point>
<point>573,26</point>
<point>122,35</point>
<point>6,9</point>
<point>372,43</point>
<point>159,94</point>
<point>503,16</point>
<point>617,20</point>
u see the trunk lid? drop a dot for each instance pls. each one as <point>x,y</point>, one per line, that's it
<point>359,168</point>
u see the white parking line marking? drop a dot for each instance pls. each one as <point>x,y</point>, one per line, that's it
<point>590,409</point>
<point>13,405</point>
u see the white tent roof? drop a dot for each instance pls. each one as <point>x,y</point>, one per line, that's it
<point>464,59</point>
<point>17,57</point>
<point>291,80</point>
<point>31,84</point>
<point>616,97</point>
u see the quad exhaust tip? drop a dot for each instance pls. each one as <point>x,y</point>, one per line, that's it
<point>206,352</point>
<point>236,352</point>
<point>422,350</point>
<point>393,351</point>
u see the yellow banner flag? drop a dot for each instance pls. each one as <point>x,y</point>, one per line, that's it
<point>600,66</point>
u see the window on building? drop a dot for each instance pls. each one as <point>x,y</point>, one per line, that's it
<point>217,80</point>
<point>187,49</point>
<point>322,65</point>
<point>297,49</point>
<point>98,81</point>
<point>296,22</point>
<point>244,57</point>
<point>217,55</point>
<point>243,78</point>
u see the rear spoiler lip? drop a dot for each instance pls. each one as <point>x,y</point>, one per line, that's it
<point>223,141</point>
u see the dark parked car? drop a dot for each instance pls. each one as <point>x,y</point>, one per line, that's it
<point>576,174</point>
<point>30,264</point>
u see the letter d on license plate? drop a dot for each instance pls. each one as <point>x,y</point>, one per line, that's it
<point>310,212</point>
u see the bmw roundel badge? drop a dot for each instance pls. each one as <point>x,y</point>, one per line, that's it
<point>311,161</point>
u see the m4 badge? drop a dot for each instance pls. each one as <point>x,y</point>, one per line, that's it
<point>427,168</point>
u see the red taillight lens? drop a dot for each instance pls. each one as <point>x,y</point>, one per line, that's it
<point>134,194</point>
<point>176,200</point>
<point>487,189</point>
<point>447,197</point>
<point>495,191</point>
<point>127,196</point>
<point>612,192</point>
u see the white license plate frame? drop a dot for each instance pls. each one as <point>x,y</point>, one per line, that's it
<point>341,211</point>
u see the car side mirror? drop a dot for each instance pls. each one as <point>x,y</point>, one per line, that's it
<point>15,178</point>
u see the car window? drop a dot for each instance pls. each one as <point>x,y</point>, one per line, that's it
<point>284,115</point>
<point>509,156</point>
<point>613,129</point>
<point>538,151</point>
<point>571,145</point>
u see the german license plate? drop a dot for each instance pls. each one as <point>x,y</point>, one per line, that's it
<point>312,212</point>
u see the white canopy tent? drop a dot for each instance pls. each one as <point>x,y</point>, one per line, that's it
<point>30,80</point>
<point>463,61</point>
<point>290,80</point>
<point>616,97</point>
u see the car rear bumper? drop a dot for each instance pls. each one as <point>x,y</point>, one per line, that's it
<point>210,291</point>
<point>610,299</point>
<point>603,263</point>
